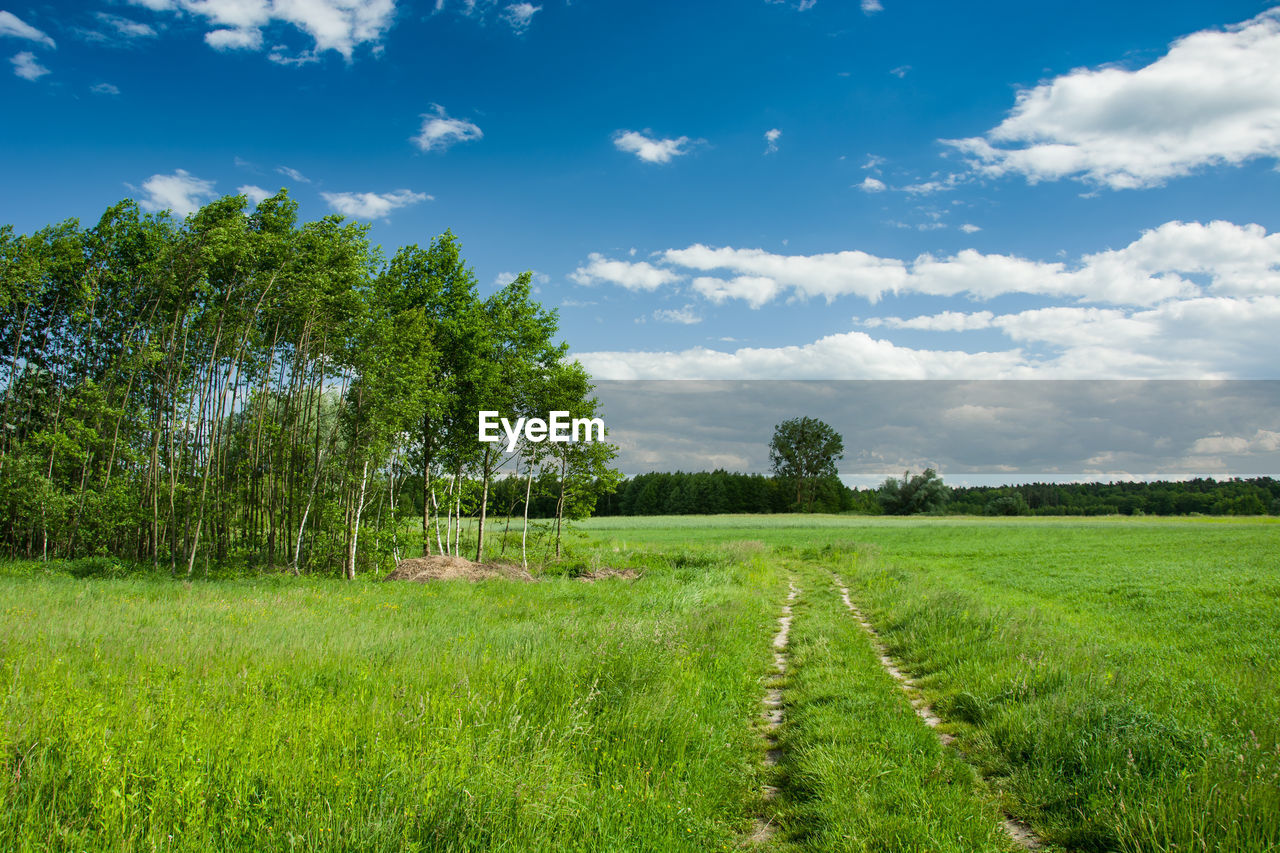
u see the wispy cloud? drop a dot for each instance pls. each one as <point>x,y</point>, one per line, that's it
<point>120,29</point>
<point>372,205</point>
<point>771,138</point>
<point>936,184</point>
<point>292,174</point>
<point>104,89</point>
<point>685,316</point>
<point>439,131</point>
<point>520,15</point>
<point>12,25</point>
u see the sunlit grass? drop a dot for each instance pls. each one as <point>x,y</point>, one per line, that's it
<point>1115,679</point>
<point>862,772</point>
<point>278,714</point>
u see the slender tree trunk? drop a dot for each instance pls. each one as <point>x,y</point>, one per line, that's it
<point>210,386</point>
<point>13,380</point>
<point>457,502</point>
<point>391,490</point>
<point>484,502</point>
<point>435,505</point>
<point>426,487</point>
<point>448,519</point>
<point>524,533</point>
<point>355,527</point>
<point>315,480</point>
<point>564,476</point>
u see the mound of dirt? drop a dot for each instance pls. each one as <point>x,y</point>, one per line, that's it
<point>601,574</point>
<point>444,568</point>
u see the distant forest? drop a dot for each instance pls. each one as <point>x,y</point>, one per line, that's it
<point>683,493</point>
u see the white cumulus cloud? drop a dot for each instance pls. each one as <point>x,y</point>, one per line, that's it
<point>755,290</point>
<point>632,275</point>
<point>1163,263</point>
<point>649,148</point>
<point>1262,441</point>
<point>849,355</point>
<point>439,131</point>
<point>372,205</point>
<point>1199,338</point>
<point>337,25</point>
<point>26,66</point>
<point>1213,99</point>
<point>872,185</point>
<point>234,39</point>
<point>181,192</point>
<point>255,194</point>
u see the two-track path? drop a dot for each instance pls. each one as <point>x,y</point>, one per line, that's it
<point>1018,831</point>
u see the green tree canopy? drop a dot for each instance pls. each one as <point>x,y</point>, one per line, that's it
<point>924,492</point>
<point>804,451</point>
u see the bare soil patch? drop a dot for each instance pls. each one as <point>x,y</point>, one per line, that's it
<point>445,568</point>
<point>602,573</point>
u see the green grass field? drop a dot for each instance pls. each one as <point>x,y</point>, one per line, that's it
<point>1113,683</point>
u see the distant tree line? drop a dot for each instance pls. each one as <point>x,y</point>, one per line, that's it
<point>683,493</point>
<point>720,491</point>
<point>1205,496</point>
<point>241,387</point>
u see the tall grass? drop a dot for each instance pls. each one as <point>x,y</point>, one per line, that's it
<point>282,714</point>
<point>1114,680</point>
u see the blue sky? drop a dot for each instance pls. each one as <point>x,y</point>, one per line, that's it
<point>721,190</point>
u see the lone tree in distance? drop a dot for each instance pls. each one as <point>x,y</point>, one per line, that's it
<point>924,492</point>
<point>805,450</point>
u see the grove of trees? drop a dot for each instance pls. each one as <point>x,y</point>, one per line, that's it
<point>242,387</point>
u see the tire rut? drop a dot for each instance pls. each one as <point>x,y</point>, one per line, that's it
<point>773,715</point>
<point>1019,832</point>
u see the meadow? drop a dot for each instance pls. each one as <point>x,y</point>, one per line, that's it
<point>1113,683</point>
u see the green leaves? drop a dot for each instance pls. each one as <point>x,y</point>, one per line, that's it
<point>924,492</point>
<point>240,386</point>
<point>805,450</point>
